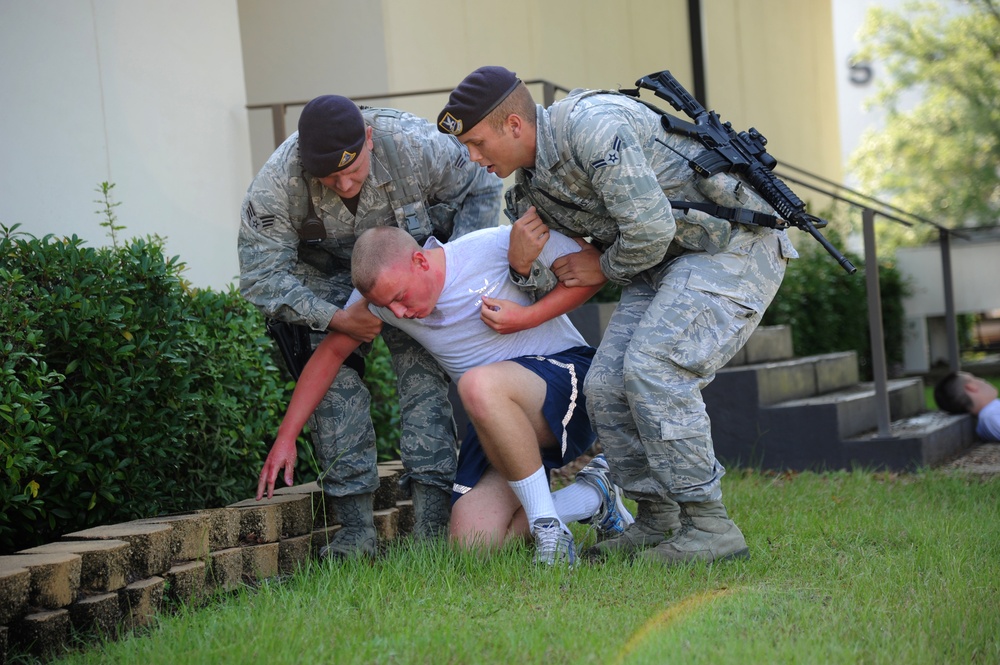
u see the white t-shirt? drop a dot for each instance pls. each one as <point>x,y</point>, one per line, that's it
<point>476,265</point>
<point>988,424</point>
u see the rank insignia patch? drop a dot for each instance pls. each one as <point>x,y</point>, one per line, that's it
<point>256,221</point>
<point>612,157</point>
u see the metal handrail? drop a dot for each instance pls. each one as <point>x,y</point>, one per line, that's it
<point>873,292</point>
<point>882,204</point>
<point>278,109</point>
<point>944,236</point>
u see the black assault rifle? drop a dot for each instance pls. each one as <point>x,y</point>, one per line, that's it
<point>743,152</point>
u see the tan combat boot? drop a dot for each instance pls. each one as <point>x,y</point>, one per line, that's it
<point>431,511</point>
<point>357,535</point>
<point>653,523</point>
<point>706,534</point>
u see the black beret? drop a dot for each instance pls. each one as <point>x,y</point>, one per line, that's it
<point>479,93</point>
<point>331,133</point>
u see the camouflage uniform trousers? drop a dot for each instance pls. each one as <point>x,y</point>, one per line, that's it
<point>676,325</point>
<point>344,438</point>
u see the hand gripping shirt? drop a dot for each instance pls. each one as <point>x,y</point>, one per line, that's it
<point>608,171</point>
<point>476,265</point>
<point>420,179</point>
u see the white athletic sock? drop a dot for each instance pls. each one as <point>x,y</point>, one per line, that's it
<point>535,495</point>
<point>576,502</point>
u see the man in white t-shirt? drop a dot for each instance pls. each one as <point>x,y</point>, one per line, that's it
<point>521,387</point>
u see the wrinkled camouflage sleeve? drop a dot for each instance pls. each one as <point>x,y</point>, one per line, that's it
<point>448,175</point>
<point>628,189</point>
<point>537,283</point>
<point>268,252</point>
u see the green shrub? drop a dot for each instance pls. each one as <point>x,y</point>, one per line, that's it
<point>123,393</point>
<point>827,309</point>
<point>26,386</point>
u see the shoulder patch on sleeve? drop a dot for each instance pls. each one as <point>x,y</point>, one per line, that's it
<point>463,152</point>
<point>256,221</point>
<point>611,157</point>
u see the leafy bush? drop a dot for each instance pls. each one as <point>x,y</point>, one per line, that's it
<point>26,385</point>
<point>123,394</point>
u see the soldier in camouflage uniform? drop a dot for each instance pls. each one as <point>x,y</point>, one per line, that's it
<point>344,171</point>
<point>694,287</point>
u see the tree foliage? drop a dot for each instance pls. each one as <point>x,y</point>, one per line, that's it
<point>939,158</point>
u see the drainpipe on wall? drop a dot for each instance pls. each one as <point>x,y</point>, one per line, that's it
<point>697,51</point>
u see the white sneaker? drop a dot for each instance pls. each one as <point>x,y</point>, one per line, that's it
<point>553,544</point>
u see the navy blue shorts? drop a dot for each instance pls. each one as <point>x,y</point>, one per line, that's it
<point>565,410</point>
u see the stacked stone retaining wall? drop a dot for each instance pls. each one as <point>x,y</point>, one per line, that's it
<point>111,579</point>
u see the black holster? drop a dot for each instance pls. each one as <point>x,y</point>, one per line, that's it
<point>296,347</point>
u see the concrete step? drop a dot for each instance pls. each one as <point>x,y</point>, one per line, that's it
<point>744,435</point>
<point>804,433</point>
<point>773,382</point>
<point>923,440</point>
<point>766,344</point>
<point>848,411</point>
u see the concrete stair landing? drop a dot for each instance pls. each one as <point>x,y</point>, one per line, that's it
<point>772,410</point>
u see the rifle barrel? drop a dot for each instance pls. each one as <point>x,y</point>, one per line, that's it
<point>842,260</point>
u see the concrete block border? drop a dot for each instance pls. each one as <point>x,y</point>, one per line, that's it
<point>114,578</point>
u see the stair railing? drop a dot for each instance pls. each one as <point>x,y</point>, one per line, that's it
<point>873,292</point>
<point>280,109</point>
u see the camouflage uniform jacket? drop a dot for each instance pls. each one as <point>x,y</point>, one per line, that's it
<point>420,179</point>
<point>606,168</point>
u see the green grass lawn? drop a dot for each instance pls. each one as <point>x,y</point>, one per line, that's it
<point>846,567</point>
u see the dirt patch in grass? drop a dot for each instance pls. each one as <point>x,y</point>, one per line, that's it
<point>981,459</point>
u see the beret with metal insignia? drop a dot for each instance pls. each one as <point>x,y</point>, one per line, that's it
<point>331,134</point>
<point>479,93</point>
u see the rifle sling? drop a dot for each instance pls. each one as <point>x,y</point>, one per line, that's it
<point>735,215</point>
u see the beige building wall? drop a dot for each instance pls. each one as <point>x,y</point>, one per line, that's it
<point>153,95</point>
<point>146,95</point>
<point>295,50</point>
<point>769,63</point>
